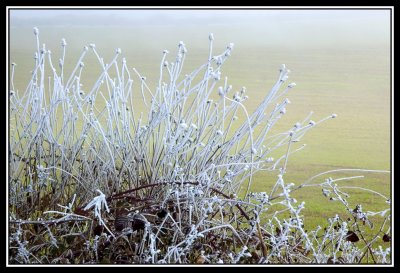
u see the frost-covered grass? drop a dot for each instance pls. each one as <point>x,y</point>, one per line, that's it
<point>178,177</point>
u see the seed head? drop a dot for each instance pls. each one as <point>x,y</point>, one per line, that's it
<point>63,42</point>
<point>183,125</point>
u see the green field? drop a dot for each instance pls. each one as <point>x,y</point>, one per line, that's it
<point>340,67</point>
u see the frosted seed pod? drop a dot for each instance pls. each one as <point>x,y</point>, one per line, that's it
<point>123,60</point>
<point>181,43</point>
<point>143,78</point>
<point>165,51</point>
<point>219,132</point>
<point>193,126</point>
<point>202,144</point>
<point>230,46</point>
<point>35,31</point>
<point>326,192</point>
<point>312,123</point>
<point>63,42</point>
<point>12,92</point>
<point>85,48</point>
<point>297,125</point>
<point>253,151</point>
<point>238,98</point>
<point>334,116</point>
<point>211,36</point>
<point>291,85</point>
<point>235,117</point>
<point>81,64</point>
<point>165,64</point>
<point>184,125</point>
<point>287,101</point>
<point>284,78</point>
<point>217,76</point>
<point>270,159</point>
<point>218,60</point>
<point>283,67</point>
<point>118,51</point>
<point>283,111</point>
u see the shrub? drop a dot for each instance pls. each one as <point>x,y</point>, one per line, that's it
<point>172,186</point>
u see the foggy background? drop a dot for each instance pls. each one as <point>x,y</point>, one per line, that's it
<point>288,28</point>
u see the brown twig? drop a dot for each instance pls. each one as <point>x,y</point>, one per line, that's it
<point>237,205</point>
<point>264,248</point>
<point>123,194</point>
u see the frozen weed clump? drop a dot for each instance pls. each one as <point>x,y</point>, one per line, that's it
<point>168,186</point>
